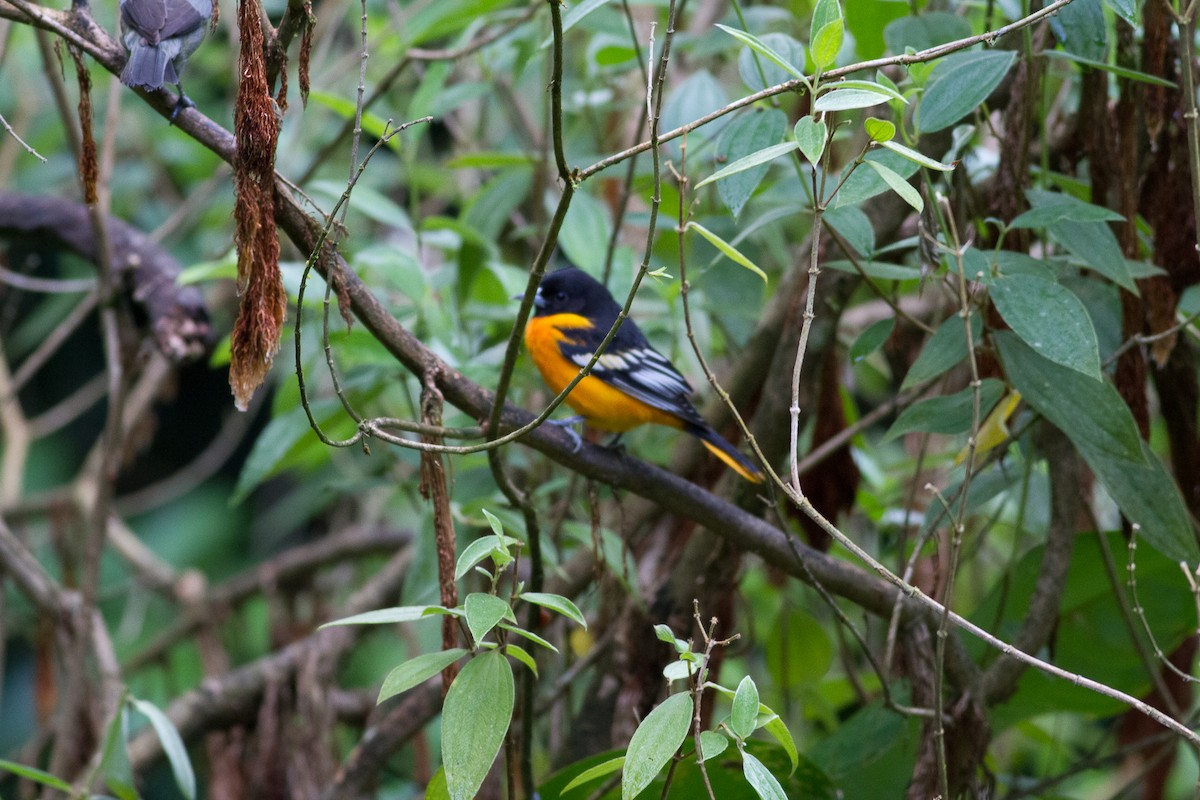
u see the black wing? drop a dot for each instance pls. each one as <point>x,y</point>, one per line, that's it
<point>633,366</point>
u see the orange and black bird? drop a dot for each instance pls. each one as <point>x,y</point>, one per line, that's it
<point>631,384</point>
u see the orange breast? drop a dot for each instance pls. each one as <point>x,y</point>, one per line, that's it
<point>603,406</point>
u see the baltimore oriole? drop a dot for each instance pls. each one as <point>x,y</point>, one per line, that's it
<point>631,384</point>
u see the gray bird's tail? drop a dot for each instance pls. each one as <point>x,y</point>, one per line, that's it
<point>146,67</point>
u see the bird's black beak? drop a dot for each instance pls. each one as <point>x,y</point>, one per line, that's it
<point>538,301</point>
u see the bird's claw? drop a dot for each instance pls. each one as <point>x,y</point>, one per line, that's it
<point>183,102</point>
<point>565,425</point>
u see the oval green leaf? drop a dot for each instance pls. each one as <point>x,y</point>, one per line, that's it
<point>592,773</point>
<point>744,714</point>
<point>765,784</point>
<point>522,655</point>
<point>764,50</point>
<point>947,347</point>
<point>879,130</point>
<point>416,671</point>
<point>917,158</point>
<point>173,747</point>
<point>811,137</point>
<point>654,742</point>
<point>475,717</point>
<point>1050,319</point>
<point>959,85</point>
<point>730,252</point>
<point>747,135</point>
<point>952,414</point>
<point>871,339</point>
<point>484,612</point>
<point>848,99</point>
<point>556,602</point>
<point>898,185</point>
<point>749,162</point>
<point>387,616</point>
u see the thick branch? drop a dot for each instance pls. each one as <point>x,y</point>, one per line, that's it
<point>177,314</point>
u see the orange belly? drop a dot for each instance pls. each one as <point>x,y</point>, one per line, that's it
<point>601,405</point>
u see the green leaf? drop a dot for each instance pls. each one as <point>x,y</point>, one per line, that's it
<point>1096,246</point>
<point>758,73</point>
<point>437,789</point>
<point>522,655</point>
<point>917,158</point>
<point>490,209</point>
<point>664,634</point>
<point>1049,208</point>
<point>573,16</point>
<point>879,130</point>
<point>946,348</point>
<point>1080,29</point>
<point>115,764</point>
<point>900,186</point>
<point>556,602</point>
<point>811,137</point>
<point>1050,319</point>
<point>417,670</point>
<point>491,159</point>
<point>484,547</point>
<point>745,136</point>
<point>36,775</point>
<point>949,415</point>
<point>776,727</point>
<point>959,84</point>
<point>475,717</point>
<point>866,183</point>
<point>1088,411</point>
<point>888,91</point>
<point>751,161</point>
<point>854,226</point>
<point>928,30</point>
<point>764,50</point>
<point>655,742</point>
<point>533,637</point>
<point>373,125</point>
<point>712,744</point>
<point>592,773</point>
<point>493,522</point>
<point>848,99</point>
<point>484,612</point>
<point>1149,497</point>
<point>387,616</point>
<point>173,747</point>
<point>826,33</point>
<point>283,436</point>
<point>760,778</point>
<point>727,249</point>
<point>697,96</point>
<point>585,232</point>
<point>871,339</point>
<point>744,714</point>
<point>1127,10</point>
<point>1094,417</point>
<point>879,270</point>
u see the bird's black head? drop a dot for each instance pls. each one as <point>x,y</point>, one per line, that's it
<point>573,291</point>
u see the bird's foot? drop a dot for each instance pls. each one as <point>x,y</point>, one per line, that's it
<point>615,445</point>
<point>183,102</point>
<point>565,425</point>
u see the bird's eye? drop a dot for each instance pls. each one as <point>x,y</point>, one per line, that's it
<point>561,297</point>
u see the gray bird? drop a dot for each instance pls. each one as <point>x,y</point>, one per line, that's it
<point>160,35</point>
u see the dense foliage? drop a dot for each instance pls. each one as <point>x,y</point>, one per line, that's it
<point>931,265</point>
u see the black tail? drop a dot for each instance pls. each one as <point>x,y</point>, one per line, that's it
<point>727,453</point>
